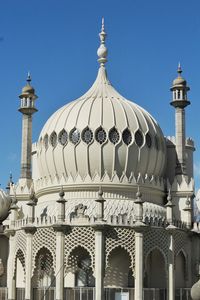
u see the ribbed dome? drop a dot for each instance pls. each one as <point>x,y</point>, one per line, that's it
<point>179,81</point>
<point>5,202</point>
<point>28,89</point>
<point>101,133</point>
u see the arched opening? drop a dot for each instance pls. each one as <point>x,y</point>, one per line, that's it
<point>20,269</point>
<point>44,273</point>
<point>155,274</point>
<point>118,272</point>
<point>79,269</point>
<point>180,270</point>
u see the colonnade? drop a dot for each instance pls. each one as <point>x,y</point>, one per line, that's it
<point>99,226</point>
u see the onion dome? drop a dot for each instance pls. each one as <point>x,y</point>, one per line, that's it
<point>179,81</point>
<point>102,134</point>
<point>5,202</point>
<point>28,89</point>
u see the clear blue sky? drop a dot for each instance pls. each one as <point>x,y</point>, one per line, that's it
<point>56,41</point>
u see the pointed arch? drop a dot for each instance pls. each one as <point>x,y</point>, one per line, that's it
<point>67,258</point>
<point>19,254</point>
<point>156,264</point>
<point>36,253</point>
<point>78,269</point>
<point>119,268</point>
<point>131,255</point>
<point>43,272</point>
<point>19,268</point>
<point>181,269</point>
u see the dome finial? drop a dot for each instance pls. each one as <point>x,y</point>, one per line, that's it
<point>179,71</point>
<point>102,50</point>
<point>28,78</point>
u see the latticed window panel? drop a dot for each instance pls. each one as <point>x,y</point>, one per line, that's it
<point>80,237</point>
<point>156,239</point>
<point>181,240</point>
<point>120,237</point>
<point>21,256</point>
<point>44,237</point>
<point>20,241</point>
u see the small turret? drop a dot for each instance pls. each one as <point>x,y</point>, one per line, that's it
<point>179,90</point>
<point>28,97</point>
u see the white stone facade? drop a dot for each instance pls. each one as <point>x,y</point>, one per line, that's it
<point>107,212</point>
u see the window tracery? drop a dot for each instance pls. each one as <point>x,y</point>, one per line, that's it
<point>100,135</point>
<point>114,135</point>
<point>87,135</point>
<point>63,137</point>
<point>74,136</point>
<point>127,137</point>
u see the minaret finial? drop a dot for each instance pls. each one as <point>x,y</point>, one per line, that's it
<point>28,78</point>
<point>179,71</point>
<point>102,50</point>
<point>102,24</point>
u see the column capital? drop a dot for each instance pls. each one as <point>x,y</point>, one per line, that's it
<point>171,229</point>
<point>60,227</point>
<point>9,232</point>
<point>29,229</point>
<point>100,226</point>
<point>140,227</point>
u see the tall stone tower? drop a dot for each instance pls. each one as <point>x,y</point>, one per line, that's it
<point>179,91</point>
<point>27,108</point>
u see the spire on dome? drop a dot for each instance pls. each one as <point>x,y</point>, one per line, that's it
<point>28,78</point>
<point>179,70</point>
<point>102,50</point>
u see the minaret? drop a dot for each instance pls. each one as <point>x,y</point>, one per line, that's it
<point>179,91</point>
<point>27,108</point>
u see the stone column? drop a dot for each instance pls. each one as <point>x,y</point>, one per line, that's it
<point>171,230</point>
<point>29,230</point>
<point>139,228</point>
<point>99,262</point>
<point>138,265</point>
<point>26,146</point>
<point>171,263</point>
<point>99,228</point>
<point>180,139</point>
<point>60,246</point>
<point>11,280</point>
<point>60,229</point>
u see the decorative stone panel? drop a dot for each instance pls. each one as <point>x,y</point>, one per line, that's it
<point>157,238</point>
<point>120,237</point>
<point>80,237</point>
<point>44,238</point>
